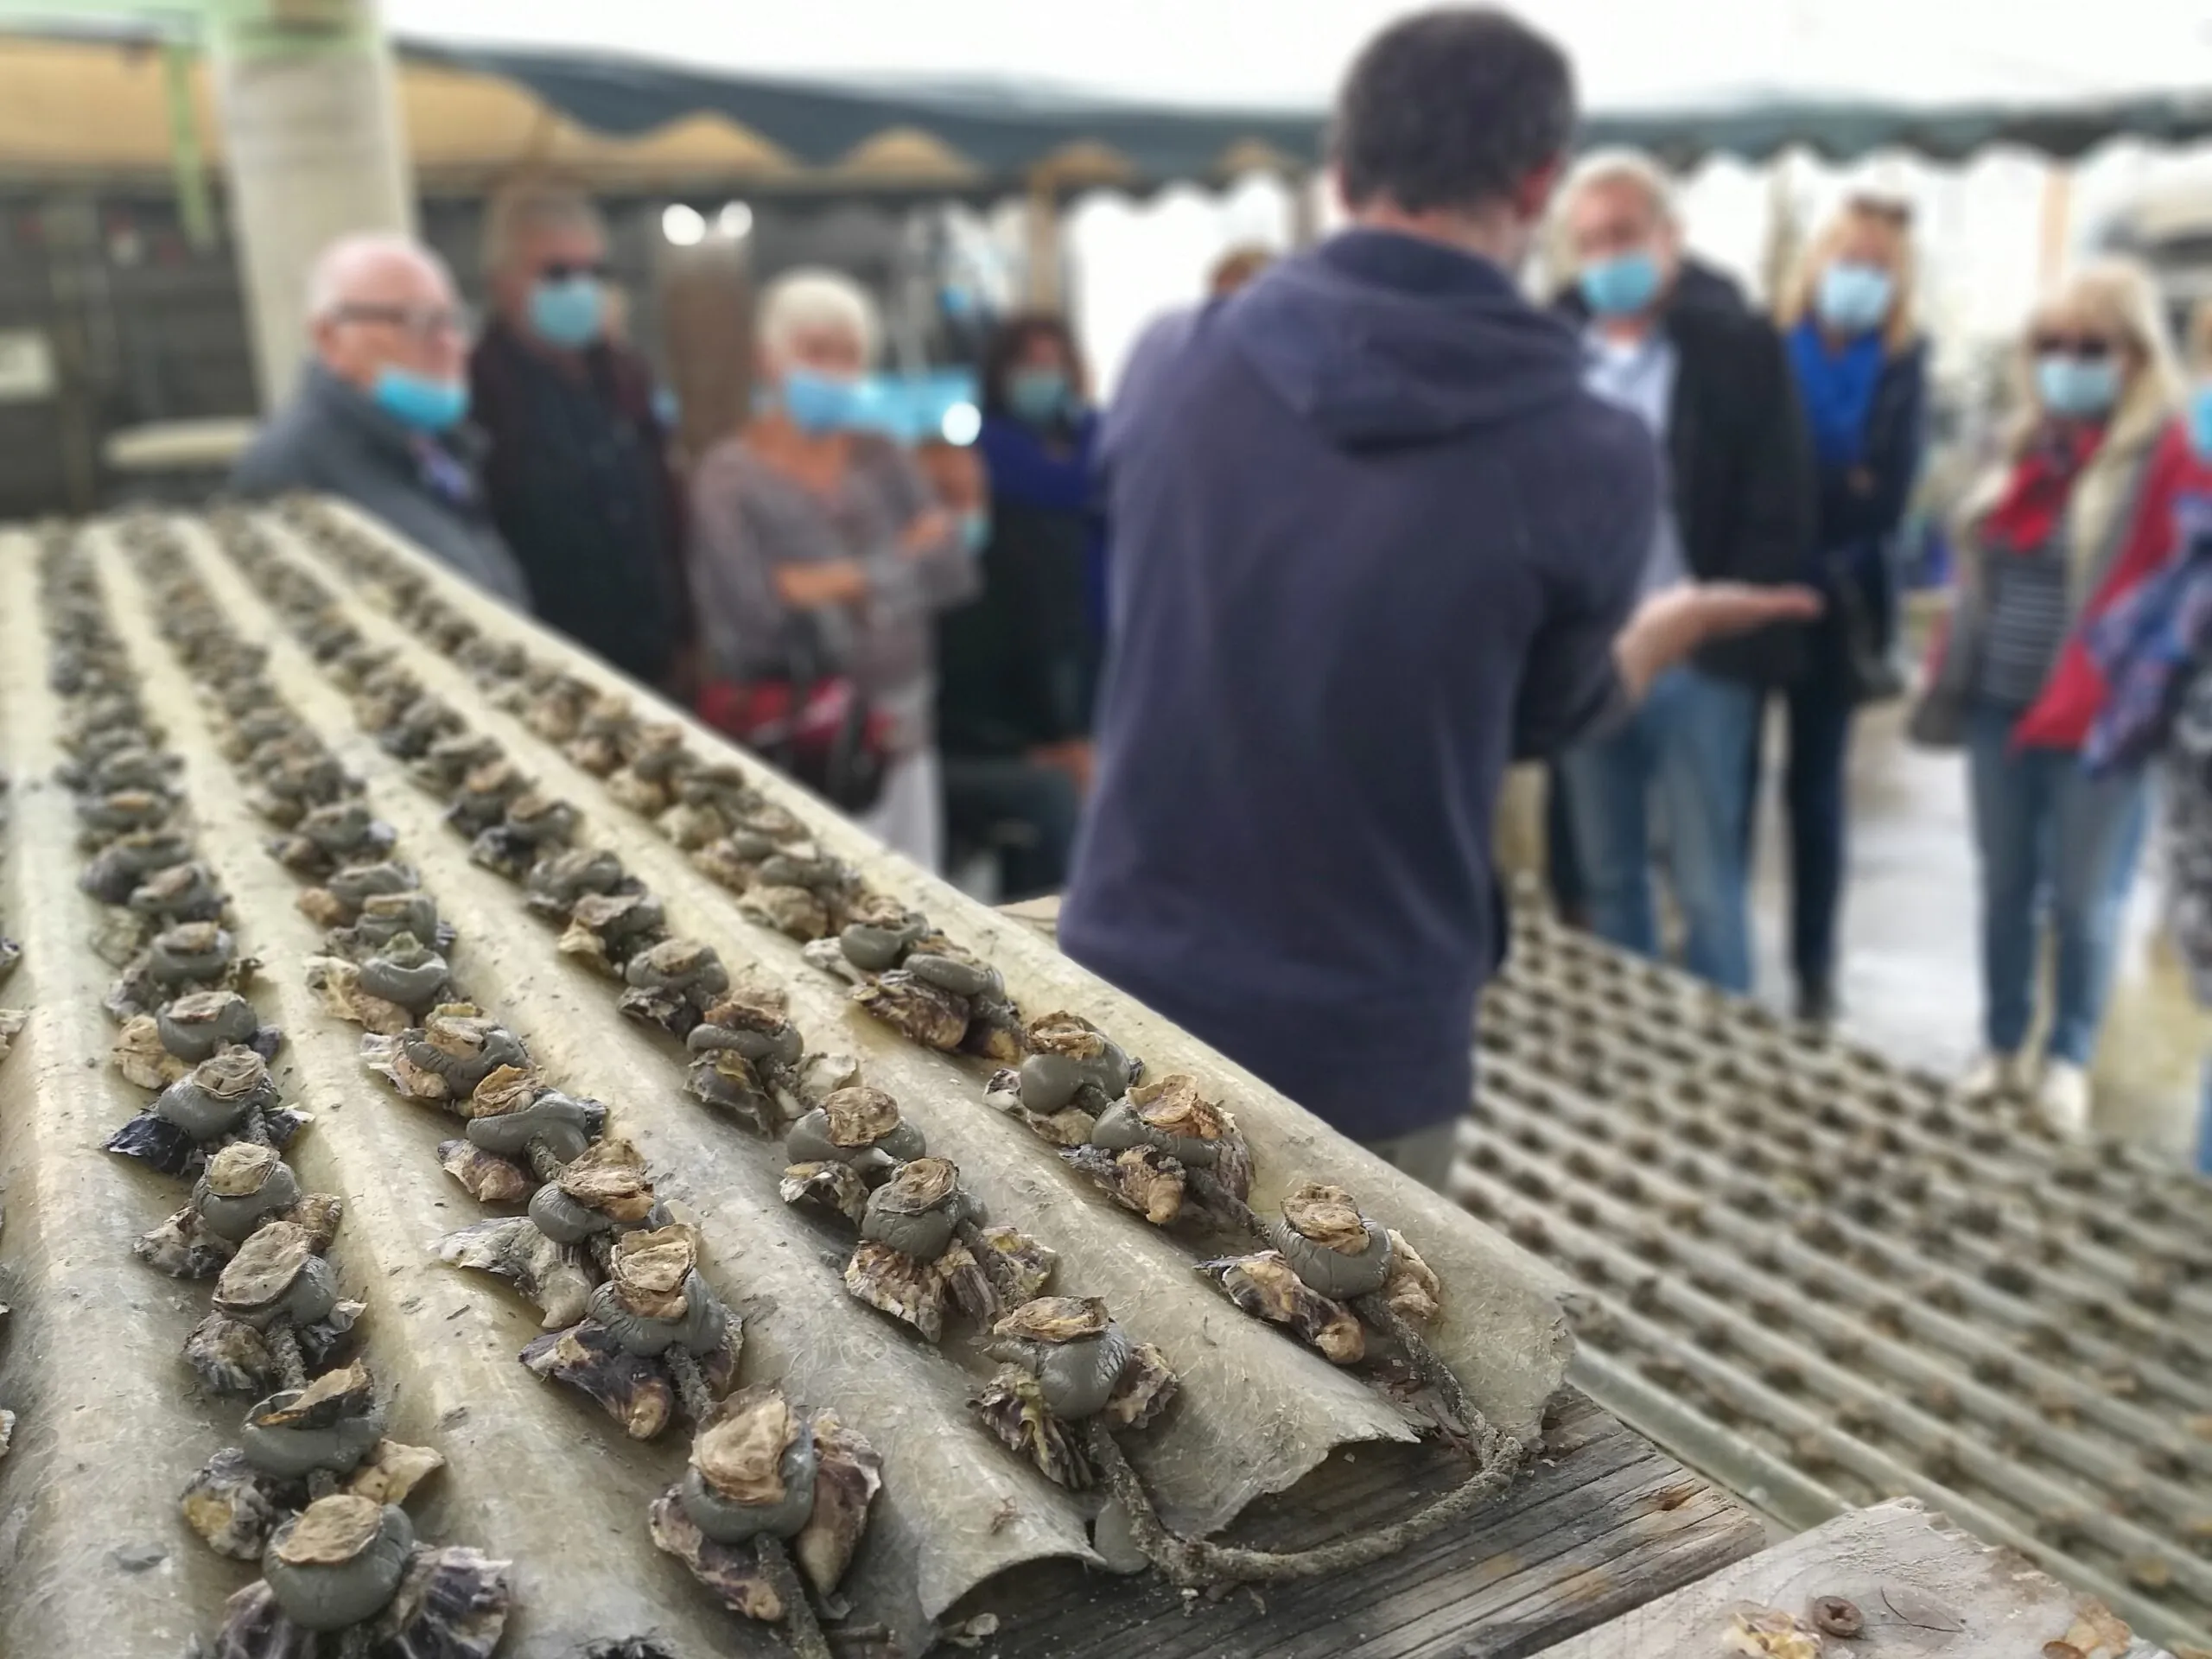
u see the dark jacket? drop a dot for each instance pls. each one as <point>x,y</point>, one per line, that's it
<point>1372,540</point>
<point>579,485</point>
<point>1739,468</point>
<point>1017,666</point>
<point>331,437</point>
<point>1698,283</point>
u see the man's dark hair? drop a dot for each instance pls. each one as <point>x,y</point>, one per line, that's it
<point>1451,109</point>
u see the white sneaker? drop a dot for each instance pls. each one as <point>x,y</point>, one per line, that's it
<point>2062,1097</point>
<point>1993,1075</point>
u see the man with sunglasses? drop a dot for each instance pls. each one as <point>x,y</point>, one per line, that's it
<point>378,416</point>
<point>578,475</point>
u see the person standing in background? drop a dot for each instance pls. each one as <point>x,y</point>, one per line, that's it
<point>820,547</point>
<point>579,475</point>
<point>1373,539</point>
<point>378,416</point>
<point>2084,510</point>
<point>1712,384</point>
<point>1018,664</point>
<point>1861,372</point>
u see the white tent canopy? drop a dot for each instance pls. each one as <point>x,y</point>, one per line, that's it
<point>1631,53</point>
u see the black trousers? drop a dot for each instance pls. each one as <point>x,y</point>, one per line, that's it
<point>1025,813</point>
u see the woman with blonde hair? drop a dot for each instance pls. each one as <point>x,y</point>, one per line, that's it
<point>1860,367</point>
<point>2084,510</point>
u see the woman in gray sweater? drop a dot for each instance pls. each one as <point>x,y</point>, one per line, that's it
<point>815,542</point>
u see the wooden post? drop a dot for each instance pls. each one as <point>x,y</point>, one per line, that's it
<point>315,151</point>
<point>2058,221</point>
<point>1045,283</point>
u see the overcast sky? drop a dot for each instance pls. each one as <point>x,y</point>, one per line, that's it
<point>1631,52</point>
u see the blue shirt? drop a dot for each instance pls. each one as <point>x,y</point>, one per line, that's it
<point>1639,376</point>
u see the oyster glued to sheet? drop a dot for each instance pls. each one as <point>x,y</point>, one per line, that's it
<point>1143,1179</point>
<point>552,1277</point>
<point>928,1014</point>
<point>443,1059</point>
<point>233,1507</point>
<point>1413,1290</point>
<point>450,1604</point>
<point>1265,1286</point>
<point>1070,1126</point>
<point>922,1293</point>
<point>485,1176</point>
<point>828,1185</point>
<point>606,930</point>
<point>672,984</point>
<point>632,1389</point>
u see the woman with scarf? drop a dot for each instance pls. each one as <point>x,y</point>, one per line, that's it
<point>1861,372</point>
<point>2152,648</point>
<point>1018,664</point>
<point>2050,548</point>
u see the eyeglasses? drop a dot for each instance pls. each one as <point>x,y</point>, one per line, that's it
<point>426,323</point>
<point>562,270</point>
<point>2090,348</point>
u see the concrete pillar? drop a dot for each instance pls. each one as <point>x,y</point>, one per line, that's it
<point>313,149</point>
<point>1045,275</point>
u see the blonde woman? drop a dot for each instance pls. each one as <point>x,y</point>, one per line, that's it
<point>1861,372</point>
<point>2084,510</point>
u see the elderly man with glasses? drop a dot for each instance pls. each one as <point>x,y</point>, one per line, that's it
<point>378,416</point>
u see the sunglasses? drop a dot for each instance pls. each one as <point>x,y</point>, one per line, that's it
<point>562,270</point>
<point>2089,348</point>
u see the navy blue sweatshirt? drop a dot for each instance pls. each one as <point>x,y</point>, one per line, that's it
<point>1373,540</point>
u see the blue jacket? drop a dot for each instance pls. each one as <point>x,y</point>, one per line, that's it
<point>1373,540</point>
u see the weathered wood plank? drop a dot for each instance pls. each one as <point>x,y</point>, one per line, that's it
<point>1923,1589</point>
<point>1601,1522</point>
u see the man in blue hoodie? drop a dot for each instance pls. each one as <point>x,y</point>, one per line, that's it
<point>1373,540</point>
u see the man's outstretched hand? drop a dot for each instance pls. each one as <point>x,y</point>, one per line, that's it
<point>1669,628</point>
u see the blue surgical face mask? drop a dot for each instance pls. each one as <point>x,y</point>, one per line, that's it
<point>975,531</point>
<point>820,403</point>
<point>2199,422</point>
<point>420,403</point>
<point>1038,396</point>
<point>1854,299</point>
<point>1621,286</point>
<point>2077,388</point>
<point>569,314</point>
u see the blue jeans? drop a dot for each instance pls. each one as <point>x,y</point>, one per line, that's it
<point>2055,842</point>
<point>1690,745</point>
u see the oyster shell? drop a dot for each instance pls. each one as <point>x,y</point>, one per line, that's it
<point>339,1562</point>
<point>140,1056</point>
<point>1172,1115</point>
<point>549,1276</point>
<point>606,929</point>
<point>855,1124</point>
<point>928,1014</point>
<point>1327,1242</point>
<point>752,1469</point>
<point>1414,1292</point>
<point>849,1473</point>
<point>632,1389</point>
<point>1266,1285</point>
<point>1143,1179</point>
<point>195,1026</point>
<point>276,1275</point>
<point>392,1471</point>
<point>834,1185</point>
<point>1072,1346</point>
<point>920,1292</point>
<point>794,911</point>
<point>732,1574</point>
<point>1011,1405</point>
<point>221,1096</point>
<point>917,1210</point>
<point>234,1507</point>
<point>485,1176</point>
